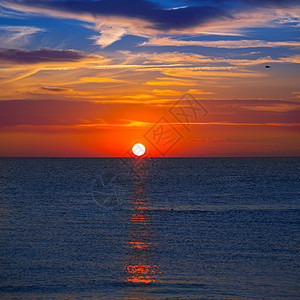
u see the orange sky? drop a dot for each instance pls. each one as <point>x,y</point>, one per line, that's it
<point>74,96</point>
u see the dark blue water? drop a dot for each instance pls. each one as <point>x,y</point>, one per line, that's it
<point>206,228</point>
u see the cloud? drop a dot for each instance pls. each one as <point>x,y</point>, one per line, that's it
<point>244,124</point>
<point>220,44</point>
<point>295,59</point>
<point>217,140</point>
<point>113,19</point>
<point>266,3</point>
<point>144,67</point>
<point>297,94</point>
<point>166,92</point>
<point>174,57</point>
<point>204,74</point>
<point>199,92</point>
<point>281,107</point>
<point>102,80</point>
<point>194,59</point>
<point>139,97</point>
<point>56,89</point>
<point>21,56</point>
<point>116,18</point>
<point>60,115</point>
<point>17,36</point>
<point>51,90</point>
<point>166,81</point>
<point>159,18</point>
<point>109,35</point>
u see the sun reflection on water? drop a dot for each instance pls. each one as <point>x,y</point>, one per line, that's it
<point>141,266</point>
<point>142,273</point>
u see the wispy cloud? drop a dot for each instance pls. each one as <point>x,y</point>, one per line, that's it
<point>220,43</point>
<point>140,97</point>
<point>167,81</point>
<point>17,36</point>
<point>102,80</point>
<point>166,92</point>
<point>194,73</point>
<point>213,62</point>
<point>281,107</point>
<point>295,59</point>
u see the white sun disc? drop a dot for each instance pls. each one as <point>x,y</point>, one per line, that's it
<point>138,149</point>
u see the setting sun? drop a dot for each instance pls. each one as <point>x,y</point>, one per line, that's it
<point>138,149</point>
<point>157,142</point>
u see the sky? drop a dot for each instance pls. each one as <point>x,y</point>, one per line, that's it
<point>185,78</point>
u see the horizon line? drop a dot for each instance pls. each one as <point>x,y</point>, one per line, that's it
<point>159,157</point>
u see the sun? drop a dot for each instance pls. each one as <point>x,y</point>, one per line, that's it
<point>138,149</point>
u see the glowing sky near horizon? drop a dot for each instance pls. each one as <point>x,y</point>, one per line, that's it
<point>91,78</point>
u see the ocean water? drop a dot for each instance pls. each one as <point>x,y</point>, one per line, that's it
<point>167,228</point>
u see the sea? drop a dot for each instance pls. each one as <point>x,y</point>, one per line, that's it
<point>150,228</point>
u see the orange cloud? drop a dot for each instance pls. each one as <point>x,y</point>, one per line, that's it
<point>166,92</point>
<point>274,107</point>
<point>200,74</point>
<point>199,92</point>
<point>102,80</point>
<point>139,97</point>
<point>170,81</point>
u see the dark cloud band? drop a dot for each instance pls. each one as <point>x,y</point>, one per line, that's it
<point>160,18</point>
<point>38,56</point>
